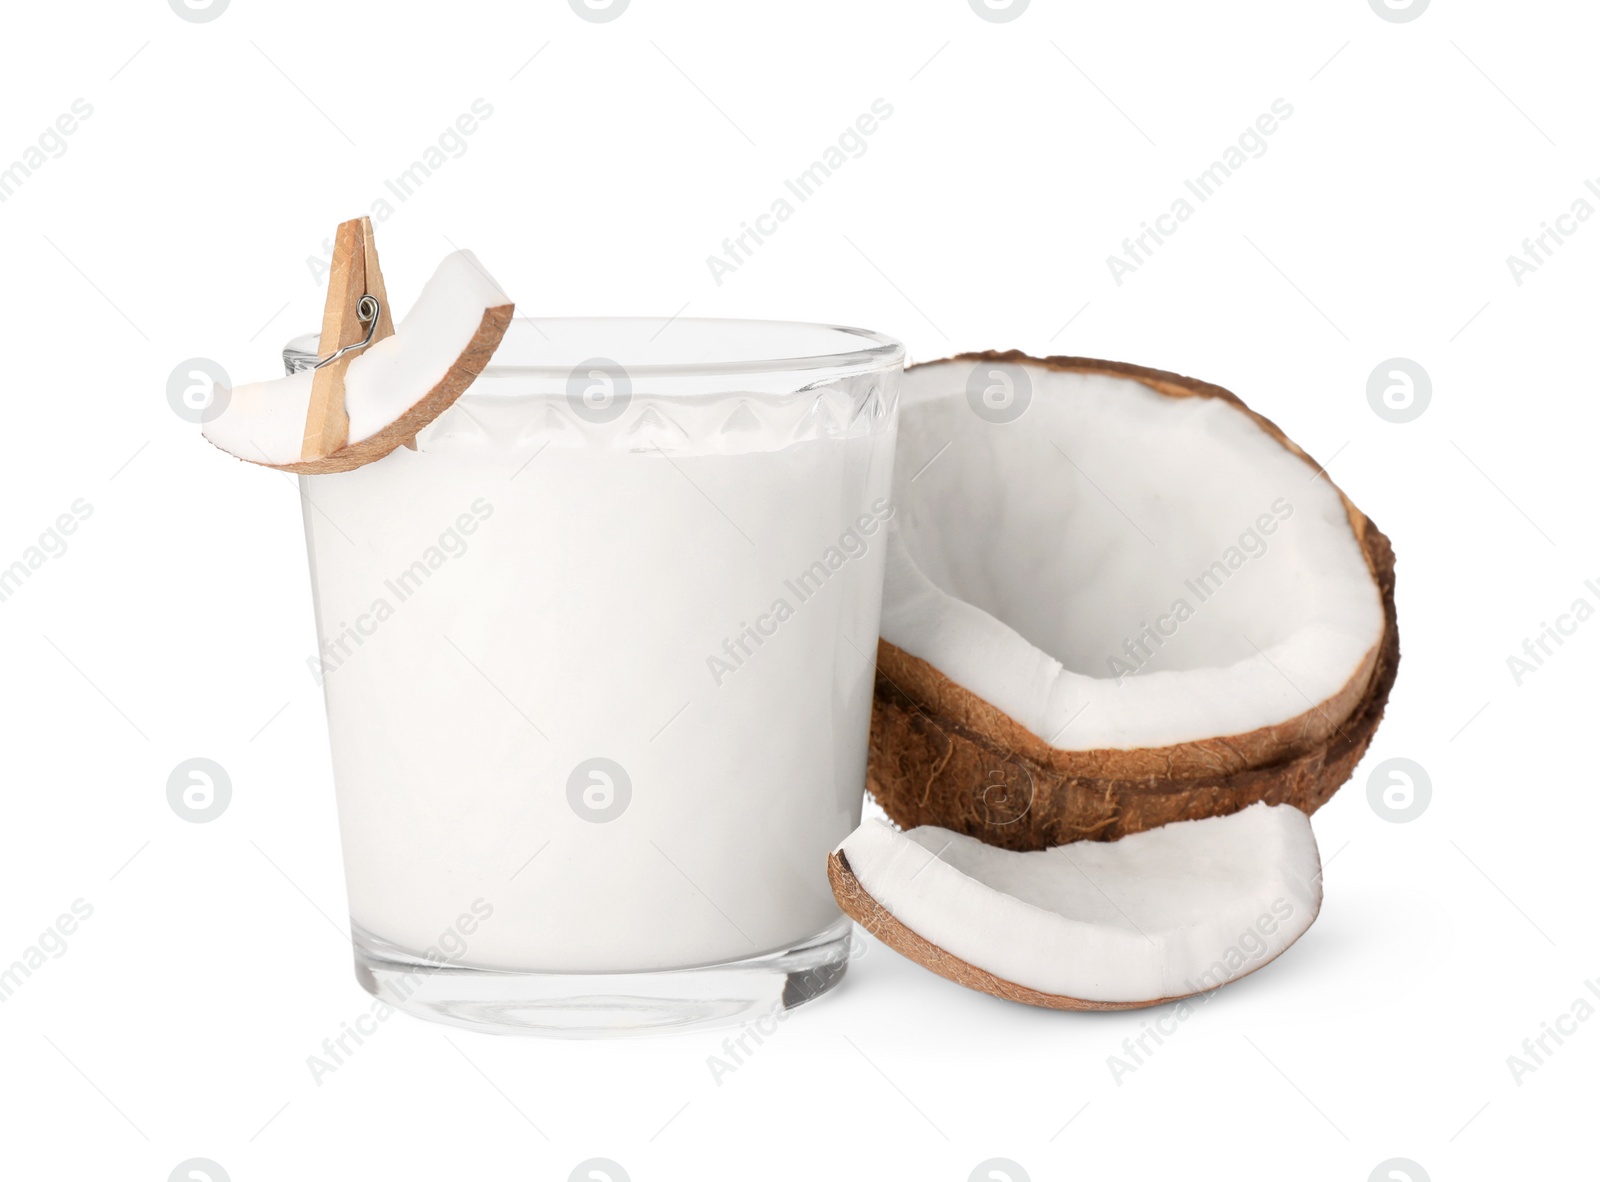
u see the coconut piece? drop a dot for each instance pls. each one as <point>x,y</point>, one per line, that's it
<point>1136,602</point>
<point>392,388</point>
<point>1157,916</point>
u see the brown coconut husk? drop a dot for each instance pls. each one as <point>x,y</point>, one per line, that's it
<point>940,755</point>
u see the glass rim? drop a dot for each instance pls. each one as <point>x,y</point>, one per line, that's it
<point>875,350</point>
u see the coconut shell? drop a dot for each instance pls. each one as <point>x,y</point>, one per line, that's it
<point>942,756</point>
<point>859,905</point>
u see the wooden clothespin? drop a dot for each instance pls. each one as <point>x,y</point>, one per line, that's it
<point>354,273</point>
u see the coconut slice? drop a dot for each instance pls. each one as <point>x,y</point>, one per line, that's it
<point>1160,915</point>
<point>1131,602</point>
<point>392,389</point>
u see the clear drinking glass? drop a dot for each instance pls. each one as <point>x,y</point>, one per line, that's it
<point>598,660</point>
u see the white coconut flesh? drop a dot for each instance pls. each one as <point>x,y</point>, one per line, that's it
<point>265,421</point>
<point>1120,568</point>
<point>1161,914</point>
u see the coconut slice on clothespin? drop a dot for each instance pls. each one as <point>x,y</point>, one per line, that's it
<point>373,386</point>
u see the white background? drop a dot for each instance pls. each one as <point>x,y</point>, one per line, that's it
<point>220,155</point>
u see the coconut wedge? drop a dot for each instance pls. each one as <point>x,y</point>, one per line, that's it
<point>392,388</point>
<point>1120,599</point>
<point>1157,916</point>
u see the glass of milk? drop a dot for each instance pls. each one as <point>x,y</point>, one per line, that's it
<point>598,658</point>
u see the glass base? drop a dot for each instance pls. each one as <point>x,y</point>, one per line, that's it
<point>599,1005</point>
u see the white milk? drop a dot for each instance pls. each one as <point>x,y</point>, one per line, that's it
<point>528,593</point>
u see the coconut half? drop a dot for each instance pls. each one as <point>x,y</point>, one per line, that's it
<point>1120,599</point>
<point>1151,918</point>
<point>392,389</point>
